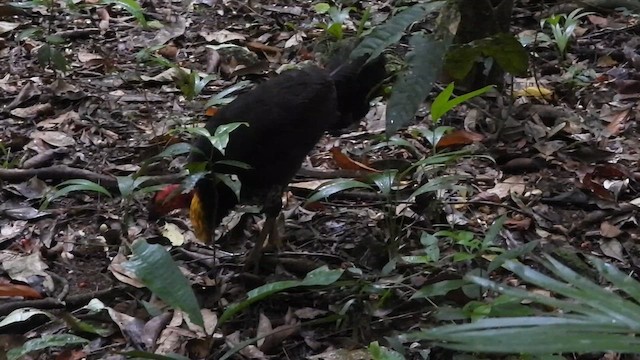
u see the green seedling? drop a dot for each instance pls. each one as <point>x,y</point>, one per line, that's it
<point>563,28</point>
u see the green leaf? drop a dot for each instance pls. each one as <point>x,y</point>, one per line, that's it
<point>512,254</point>
<point>220,138</point>
<point>460,60</point>
<point>321,276</point>
<point>335,186</point>
<point>392,30</point>
<point>491,235</point>
<point>54,39</point>
<point>438,289</point>
<point>381,353</point>
<point>339,16</point>
<point>439,183</point>
<point>439,159</point>
<point>132,7</point>
<point>430,243</point>
<point>321,8</point>
<point>69,186</point>
<point>443,102</point>
<point>173,151</point>
<point>394,141</point>
<point>87,326</point>
<point>155,268</point>
<point>200,83</point>
<point>622,281</point>
<point>28,33</point>
<point>335,30</point>
<point>44,55</point>
<point>58,60</point>
<point>234,184</point>
<point>384,181</point>
<point>127,185</point>
<point>531,335</point>
<point>45,342</point>
<point>508,52</point>
<point>424,63</point>
<point>222,98</point>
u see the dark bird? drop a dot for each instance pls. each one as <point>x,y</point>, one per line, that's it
<point>286,117</point>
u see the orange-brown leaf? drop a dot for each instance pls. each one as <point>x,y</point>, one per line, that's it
<point>344,162</point>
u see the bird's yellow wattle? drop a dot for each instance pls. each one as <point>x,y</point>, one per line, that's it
<point>199,219</point>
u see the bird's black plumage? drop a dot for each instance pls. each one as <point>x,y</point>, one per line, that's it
<point>286,116</point>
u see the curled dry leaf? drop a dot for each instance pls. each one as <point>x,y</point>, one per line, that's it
<point>54,138</point>
<point>33,111</point>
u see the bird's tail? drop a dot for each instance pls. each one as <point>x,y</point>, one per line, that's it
<point>356,82</point>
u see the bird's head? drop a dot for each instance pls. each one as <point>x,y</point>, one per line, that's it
<point>172,198</point>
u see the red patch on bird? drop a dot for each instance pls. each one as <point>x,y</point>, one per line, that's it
<point>211,111</point>
<point>168,199</point>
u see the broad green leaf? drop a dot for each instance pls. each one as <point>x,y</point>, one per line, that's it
<point>460,59</point>
<point>45,342</point>
<point>508,52</point>
<point>424,63</point>
<point>335,186</point>
<point>392,30</point>
<point>321,8</point>
<point>155,268</point>
<point>321,276</point>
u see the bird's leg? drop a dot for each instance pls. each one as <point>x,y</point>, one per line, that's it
<point>272,207</point>
<point>253,259</point>
<point>275,237</point>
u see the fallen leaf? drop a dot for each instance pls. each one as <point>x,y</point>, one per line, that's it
<point>54,138</point>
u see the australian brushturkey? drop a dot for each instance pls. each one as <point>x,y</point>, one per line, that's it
<point>286,117</point>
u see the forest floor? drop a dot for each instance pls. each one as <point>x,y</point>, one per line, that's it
<point>564,173</point>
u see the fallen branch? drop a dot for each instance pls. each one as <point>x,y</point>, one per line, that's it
<point>63,172</point>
